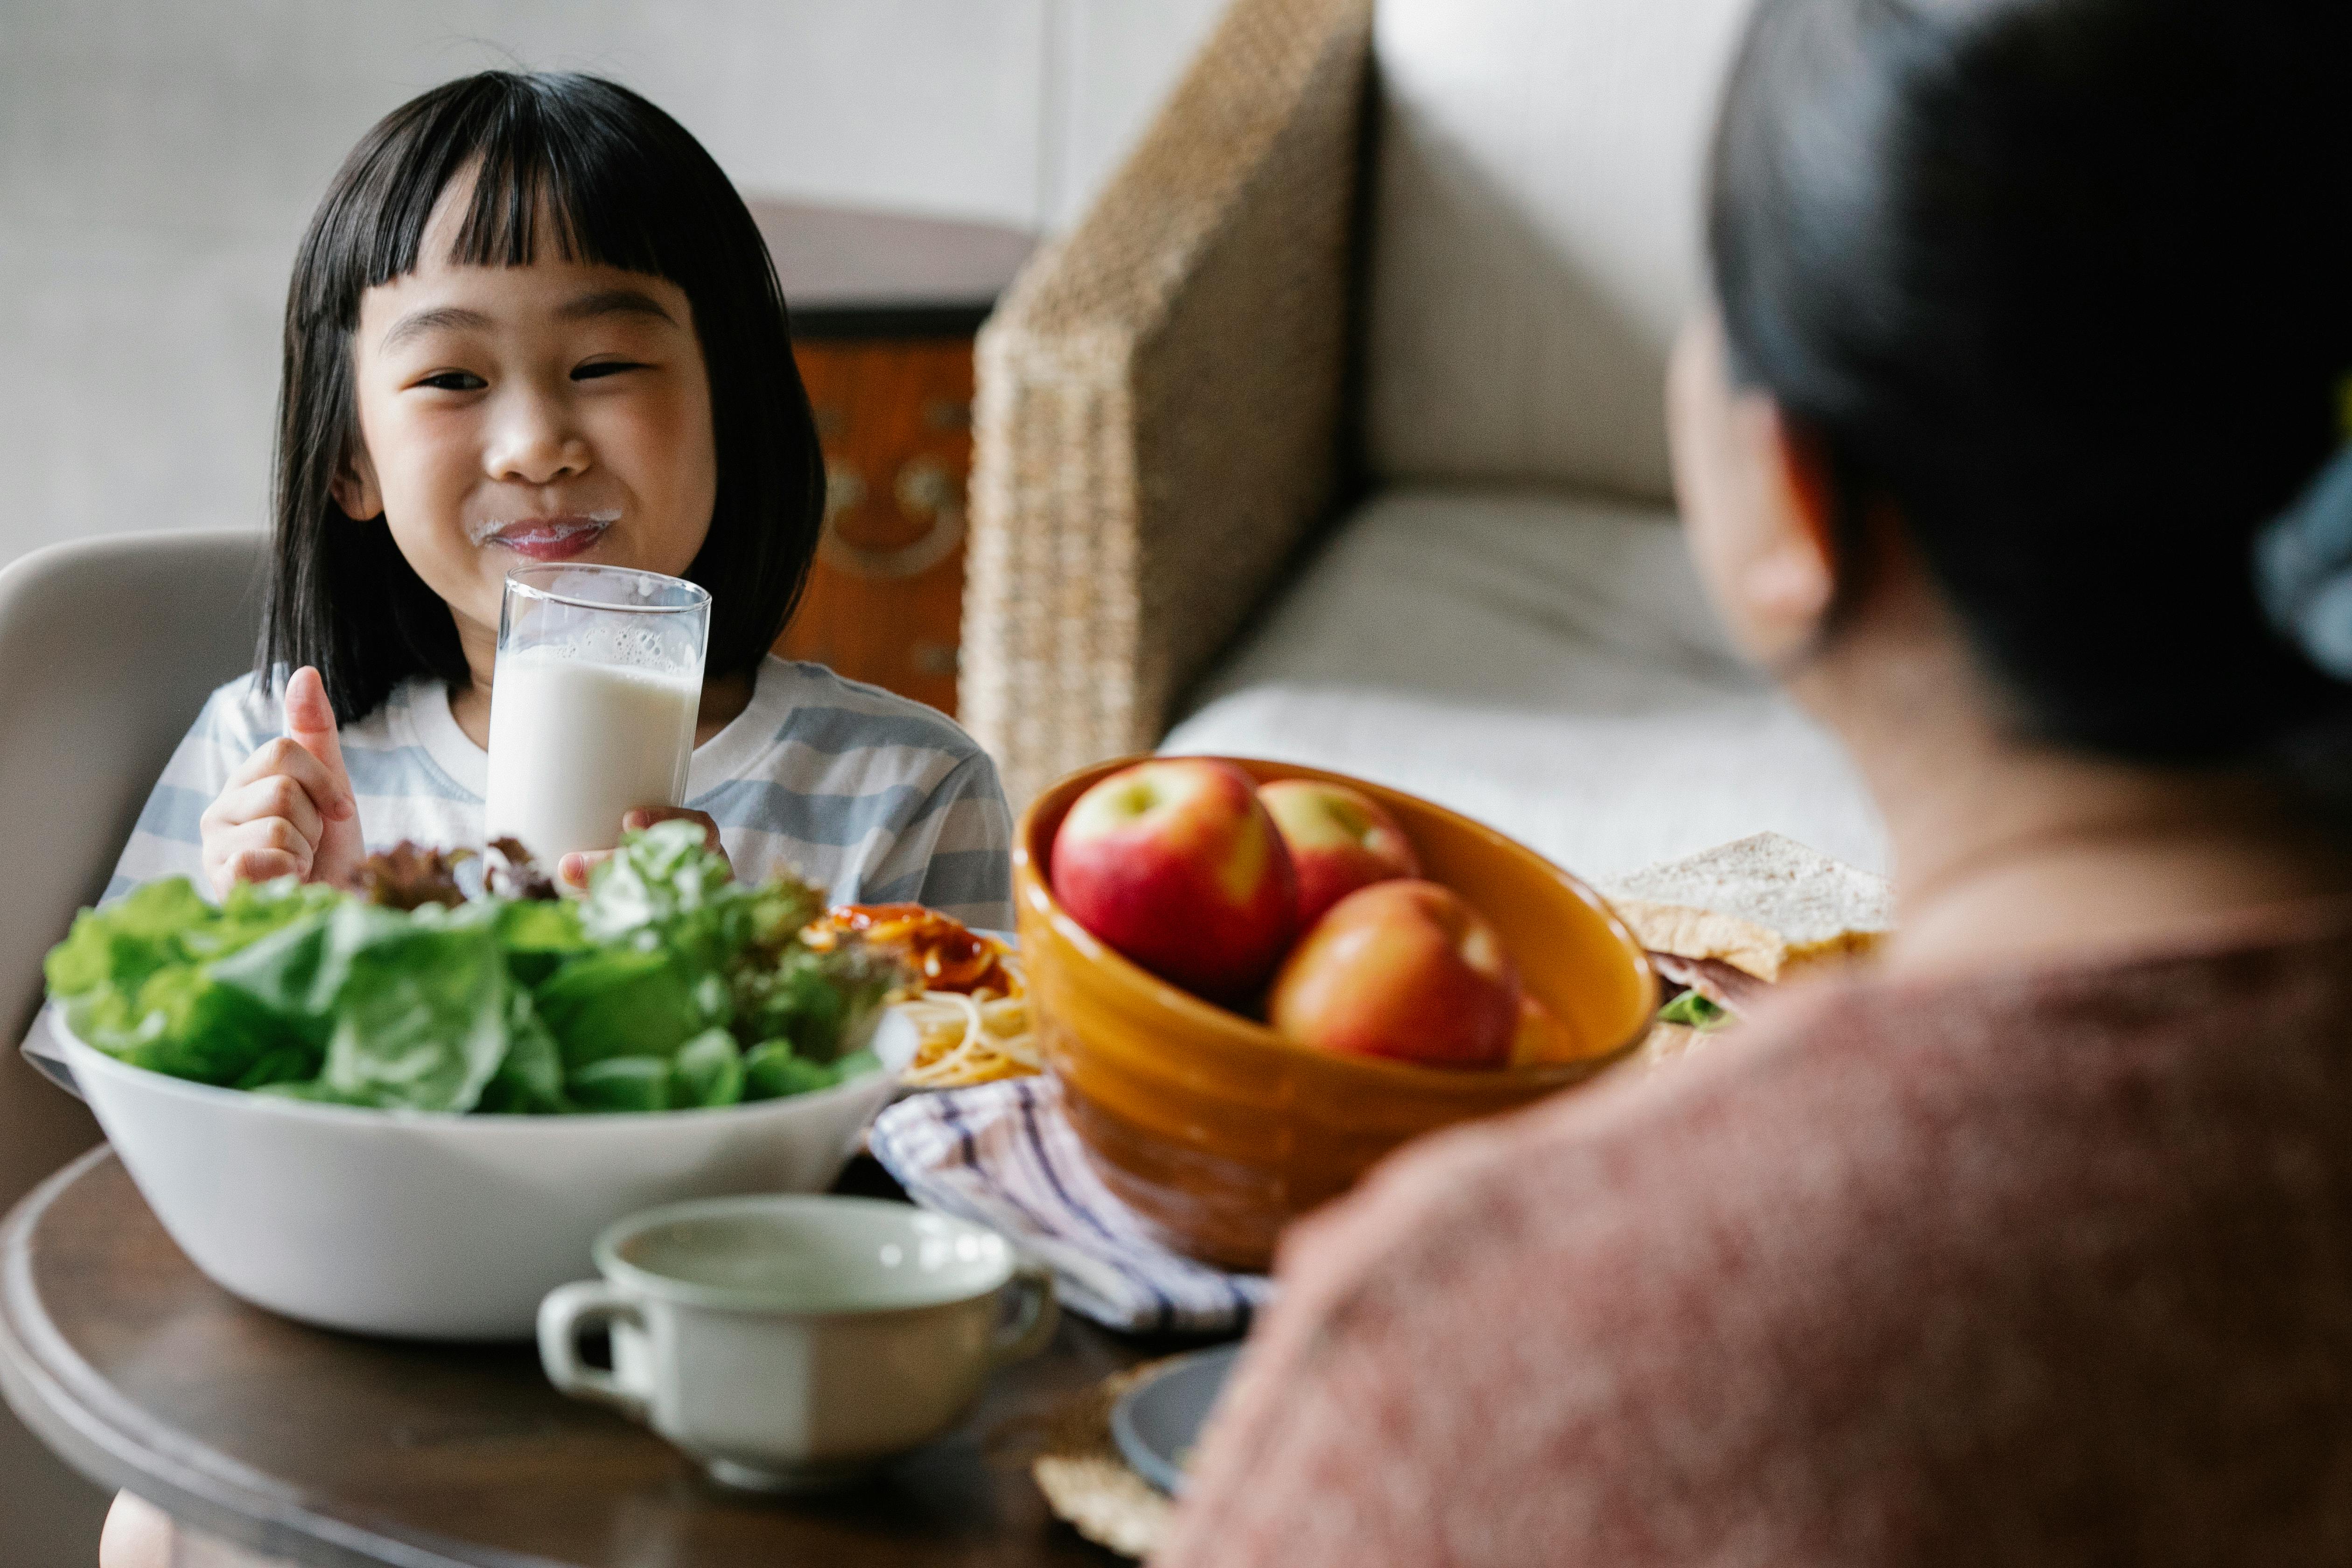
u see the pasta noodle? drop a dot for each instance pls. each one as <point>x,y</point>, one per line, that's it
<point>968,1003</point>
<point>971,1038</point>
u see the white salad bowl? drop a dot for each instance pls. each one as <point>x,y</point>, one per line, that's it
<point>429,1226</point>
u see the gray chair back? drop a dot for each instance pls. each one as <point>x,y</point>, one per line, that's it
<point>107,650</point>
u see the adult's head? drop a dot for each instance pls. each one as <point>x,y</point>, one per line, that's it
<point>2048,305</point>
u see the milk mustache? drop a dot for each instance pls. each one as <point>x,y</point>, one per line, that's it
<point>575,743</point>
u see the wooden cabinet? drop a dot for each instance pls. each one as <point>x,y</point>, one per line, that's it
<point>885,596</point>
<point>884,310</point>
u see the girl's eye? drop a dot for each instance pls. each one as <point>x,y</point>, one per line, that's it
<point>603,367</point>
<point>455,381</point>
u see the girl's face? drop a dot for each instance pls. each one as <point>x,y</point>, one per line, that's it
<point>554,411</point>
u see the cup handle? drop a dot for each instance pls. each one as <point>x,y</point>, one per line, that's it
<point>1034,1321</point>
<point>570,1309</point>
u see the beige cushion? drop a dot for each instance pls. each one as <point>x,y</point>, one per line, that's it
<point>1536,232</point>
<point>1543,662</point>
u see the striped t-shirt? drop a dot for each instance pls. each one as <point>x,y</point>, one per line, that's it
<point>878,798</point>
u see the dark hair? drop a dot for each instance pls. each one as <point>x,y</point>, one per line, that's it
<point>607,179</point>
<point>2069,284</point>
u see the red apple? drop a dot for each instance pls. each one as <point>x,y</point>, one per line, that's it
<point>1175,863</point>
<point>1339,839</point>
<point>1404,969</point>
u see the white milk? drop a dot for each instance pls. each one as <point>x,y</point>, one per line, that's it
<point>574,745</point>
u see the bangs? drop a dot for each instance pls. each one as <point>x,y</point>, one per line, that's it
<point>548,174</point>
<point>533,187</point>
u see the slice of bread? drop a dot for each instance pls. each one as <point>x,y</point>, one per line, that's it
<point>1766,905</point>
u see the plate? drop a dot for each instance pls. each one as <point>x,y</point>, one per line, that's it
<point>1156,1424</point>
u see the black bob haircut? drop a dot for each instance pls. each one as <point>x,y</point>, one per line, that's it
<point>2069,284</point>
<point>606,179</point>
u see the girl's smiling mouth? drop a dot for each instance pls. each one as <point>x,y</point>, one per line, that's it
<point>547,538</point>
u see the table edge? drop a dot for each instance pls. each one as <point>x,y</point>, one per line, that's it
<point>206,1489</point>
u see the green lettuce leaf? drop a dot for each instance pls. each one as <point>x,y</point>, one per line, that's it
<point>293,1062</point>
<point>530,1079</point>
<point>622,1083</point>
<point>254,909</point>
<point>776,911</point>
<point>1695,1012</point>
<point>120,945</point>
<point>420,1006</point>
<point>708,1071</point>
<point>641,997</point>
<point>772,1070</point>
<point>165,924</point>
<point>856,1064</point>
<point>136,982</point>
<point>662,888</point>
<point>181,1022</point>
<point>823,1003</point>
<point>538,934</point>
<point>281,973</point>
<point>623,1002</point>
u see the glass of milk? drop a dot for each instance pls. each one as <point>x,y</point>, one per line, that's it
<point>592,703</point>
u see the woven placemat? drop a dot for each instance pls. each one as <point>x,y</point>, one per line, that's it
<point>1087,1482</point>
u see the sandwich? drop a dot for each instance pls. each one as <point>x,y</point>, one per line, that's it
<point>1724,926</point>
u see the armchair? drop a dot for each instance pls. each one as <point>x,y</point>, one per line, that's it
<point>1157,401</point>
<point>1335,430</point>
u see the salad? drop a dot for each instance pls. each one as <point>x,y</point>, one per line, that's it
<point>669,987</point>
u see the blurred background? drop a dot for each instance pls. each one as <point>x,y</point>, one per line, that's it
<point>158,160</point>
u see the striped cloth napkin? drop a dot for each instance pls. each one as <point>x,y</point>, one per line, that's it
<point>1003,1155</point>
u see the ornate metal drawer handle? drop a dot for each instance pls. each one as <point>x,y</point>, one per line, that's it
<point>924,488</point>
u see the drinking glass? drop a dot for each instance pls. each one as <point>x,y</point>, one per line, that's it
<point>592,703</point>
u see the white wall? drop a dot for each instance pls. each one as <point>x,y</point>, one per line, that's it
<point>158,159</point>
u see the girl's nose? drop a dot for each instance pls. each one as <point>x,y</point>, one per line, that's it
<point>534,442</point>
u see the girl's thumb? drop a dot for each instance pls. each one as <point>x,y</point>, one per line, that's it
<point>310,724</point>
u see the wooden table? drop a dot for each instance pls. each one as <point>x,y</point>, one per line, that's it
<point>334,1449</point>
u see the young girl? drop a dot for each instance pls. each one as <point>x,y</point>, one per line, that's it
<point>532,321</point>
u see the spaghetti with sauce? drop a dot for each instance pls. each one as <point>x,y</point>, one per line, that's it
<point>969,1001</point>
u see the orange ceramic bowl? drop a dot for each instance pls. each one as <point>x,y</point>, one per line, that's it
<point>1218,1132</point>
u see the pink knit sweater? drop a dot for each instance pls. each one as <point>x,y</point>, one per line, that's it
<point>2055,1269</point>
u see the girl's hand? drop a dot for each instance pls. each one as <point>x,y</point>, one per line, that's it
<point>573,868</point>
<point>290,809</point>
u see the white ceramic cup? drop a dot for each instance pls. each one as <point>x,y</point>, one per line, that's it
<point>792,1343</point>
